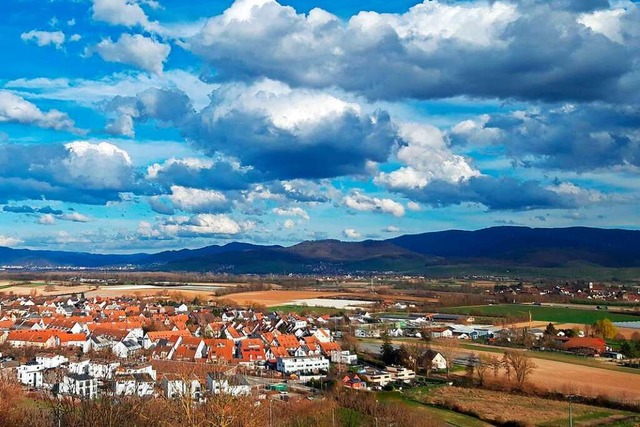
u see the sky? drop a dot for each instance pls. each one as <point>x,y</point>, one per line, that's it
<point>146,125</point>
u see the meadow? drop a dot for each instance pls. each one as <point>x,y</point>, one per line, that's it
<point>558,314</point>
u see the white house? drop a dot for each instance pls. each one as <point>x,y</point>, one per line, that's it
<point>80,385</point>
<point>322,335</point>
<point>344,357</point>
<point>397,332</point>
<point>174,385</point>
<point>140,385</point>
<point>441,333</point>
<point>375,377</point>
<point>435,359</point>
<point>400,373</point>
<point>30,375</point>
<point>126,348</point>
<point>219,385</point>
<point>98,370</point>
<point>138,369</point>
<point>308,364</point>
<point>50,361</point>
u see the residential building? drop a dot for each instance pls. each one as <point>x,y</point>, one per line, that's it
<point>79,385</point>
<point>400,373</point>
<point>308,364</point>
<point>375,377</point>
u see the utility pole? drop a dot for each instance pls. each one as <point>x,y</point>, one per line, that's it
<point>570,412</point>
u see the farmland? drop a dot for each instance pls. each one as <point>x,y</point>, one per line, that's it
<point>558,314</point>
<point>500,407</point>
<point>275,297</point>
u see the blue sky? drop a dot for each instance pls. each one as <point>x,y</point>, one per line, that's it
<point>143,125</point>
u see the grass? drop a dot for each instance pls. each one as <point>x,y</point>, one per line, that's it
<point>600,418</point>
<point>450,417</point>
<point>542,313</point>
<point>501,406</point>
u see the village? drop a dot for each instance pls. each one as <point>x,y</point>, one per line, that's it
<point>85,347</point>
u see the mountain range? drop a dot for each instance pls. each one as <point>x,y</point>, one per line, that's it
<point>496,246</point>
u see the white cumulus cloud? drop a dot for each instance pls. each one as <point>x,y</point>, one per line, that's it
<point>361,202</point>
<point>96,166</point>
<point>296,211</point>
<point>427,158</point>
<point>47,219</point>
<point>350,233</point>
<point>9,241</point>
<point>15,109</point>
<point>128,13</point>
<point>45,38</point>
<point>143,52</point>
<point>74,217</point>
<point>197,200</point>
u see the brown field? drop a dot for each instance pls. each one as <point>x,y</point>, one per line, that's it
<point>40,289</point>
<point>568,378</point>
<point>483,283</point>
<point>500,406</point>
<point>91,290</point>
<point>272,298</point>
<point>387,297</point>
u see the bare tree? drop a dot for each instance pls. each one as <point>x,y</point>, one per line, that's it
<point>482,366</point>
<point>449,348</point>
<point>522,364</point>
<point>496,364</point>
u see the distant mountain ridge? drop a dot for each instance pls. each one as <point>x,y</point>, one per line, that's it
<point>517,246</point>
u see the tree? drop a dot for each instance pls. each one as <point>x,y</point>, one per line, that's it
<point>449,349</point>
<point>605,328</point>
<point>522,365</point>
<point>414,352</point>
<point>626,349</point>
<point>350,342</point>
<point>550,330</point>
<point>402,356</point>
<point>482,366</point>
<point>425,334</point>
<point>387,352</point>
<point>496,364</point>
<point>470,367</point>
<point>506,365</point>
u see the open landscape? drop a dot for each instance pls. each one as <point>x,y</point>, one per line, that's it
<point>320,213</point>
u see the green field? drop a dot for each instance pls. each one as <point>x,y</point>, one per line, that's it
<point>542,313</point>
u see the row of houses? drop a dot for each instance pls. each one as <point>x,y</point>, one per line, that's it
<point>91,378</point>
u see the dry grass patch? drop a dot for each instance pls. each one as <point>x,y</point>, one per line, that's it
<point>499,407</point>
<point>273,297</point>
